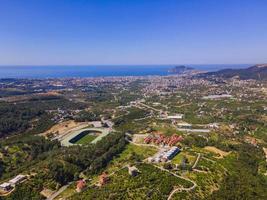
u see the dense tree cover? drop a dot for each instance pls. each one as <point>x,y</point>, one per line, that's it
<point>99,95</point>
<point>93,158</point>
<point>11,92</point>
<point>202,141</point>
<point>16,151</point>
<point>41,125</point>
<point>128,123</point>
<point>58,173</point>
<point>195,140</point>
<point>25,192</point>
<point>243,180</point>
<point>69,162</point>
<point>31,116</point>
<point>14,118</point>
<point>55,166</point>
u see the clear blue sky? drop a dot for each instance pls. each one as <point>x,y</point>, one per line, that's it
<point>42,32</point>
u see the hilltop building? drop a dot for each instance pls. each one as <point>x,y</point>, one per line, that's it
<point>18,179</point>
<point>133,171</point>
<point>164,155</point>
<point>5,187</point>
<point>177,116</point>
<point>81,184</point>
<point>103,178</point>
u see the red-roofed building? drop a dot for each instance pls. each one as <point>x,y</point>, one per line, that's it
<point>81,184</point>
<point>103,178</point>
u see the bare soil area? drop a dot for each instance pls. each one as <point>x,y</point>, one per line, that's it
<point>217,151</point>
<point>64,127</point>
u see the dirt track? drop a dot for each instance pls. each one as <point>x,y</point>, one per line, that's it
<point>64,127</point>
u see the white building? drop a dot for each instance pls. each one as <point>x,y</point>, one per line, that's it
<point>217,96</point>
<point>171,153</point>
<point>177,116</point>
<point>5,187</point>
<point>184,125</point>
<point>18,179</point>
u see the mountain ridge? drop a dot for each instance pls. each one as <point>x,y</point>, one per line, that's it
<point>258,72</point>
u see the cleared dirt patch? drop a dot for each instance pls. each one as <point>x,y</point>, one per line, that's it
<point>139,138</point>
<point>264,118</point>
<point>64,127</point>
<point>220,153</point>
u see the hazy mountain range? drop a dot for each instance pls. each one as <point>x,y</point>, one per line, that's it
<point>258,72</point>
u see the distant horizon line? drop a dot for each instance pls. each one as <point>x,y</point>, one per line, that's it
<point>44,65</point>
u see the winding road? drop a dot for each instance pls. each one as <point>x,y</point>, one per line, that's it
<point>180,188</point>
<point>196,162</point>
<point>178,176</point>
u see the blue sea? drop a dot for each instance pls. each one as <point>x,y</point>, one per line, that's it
<point>100,70</point>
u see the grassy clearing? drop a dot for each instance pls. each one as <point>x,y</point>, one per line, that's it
<point>218,152</point>
<point>86,139</point>
<point>179,158</point>
<point>131,154</point>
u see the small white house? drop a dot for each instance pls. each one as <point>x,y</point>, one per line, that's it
<point>177,116</point>
<point>214,125</point>
<point>133,171</point>
<point>5,187</point>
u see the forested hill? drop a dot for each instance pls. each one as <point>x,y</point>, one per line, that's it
<point>257,72</point>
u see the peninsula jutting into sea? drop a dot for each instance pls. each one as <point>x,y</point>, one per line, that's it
<point>58,71</point>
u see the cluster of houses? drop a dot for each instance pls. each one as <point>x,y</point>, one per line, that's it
<point>81,184</point>
<point>60,115</point>
<point>161,139</point>
<point>164,155</point>
<point>8,186</point>
<point>104,178</point>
